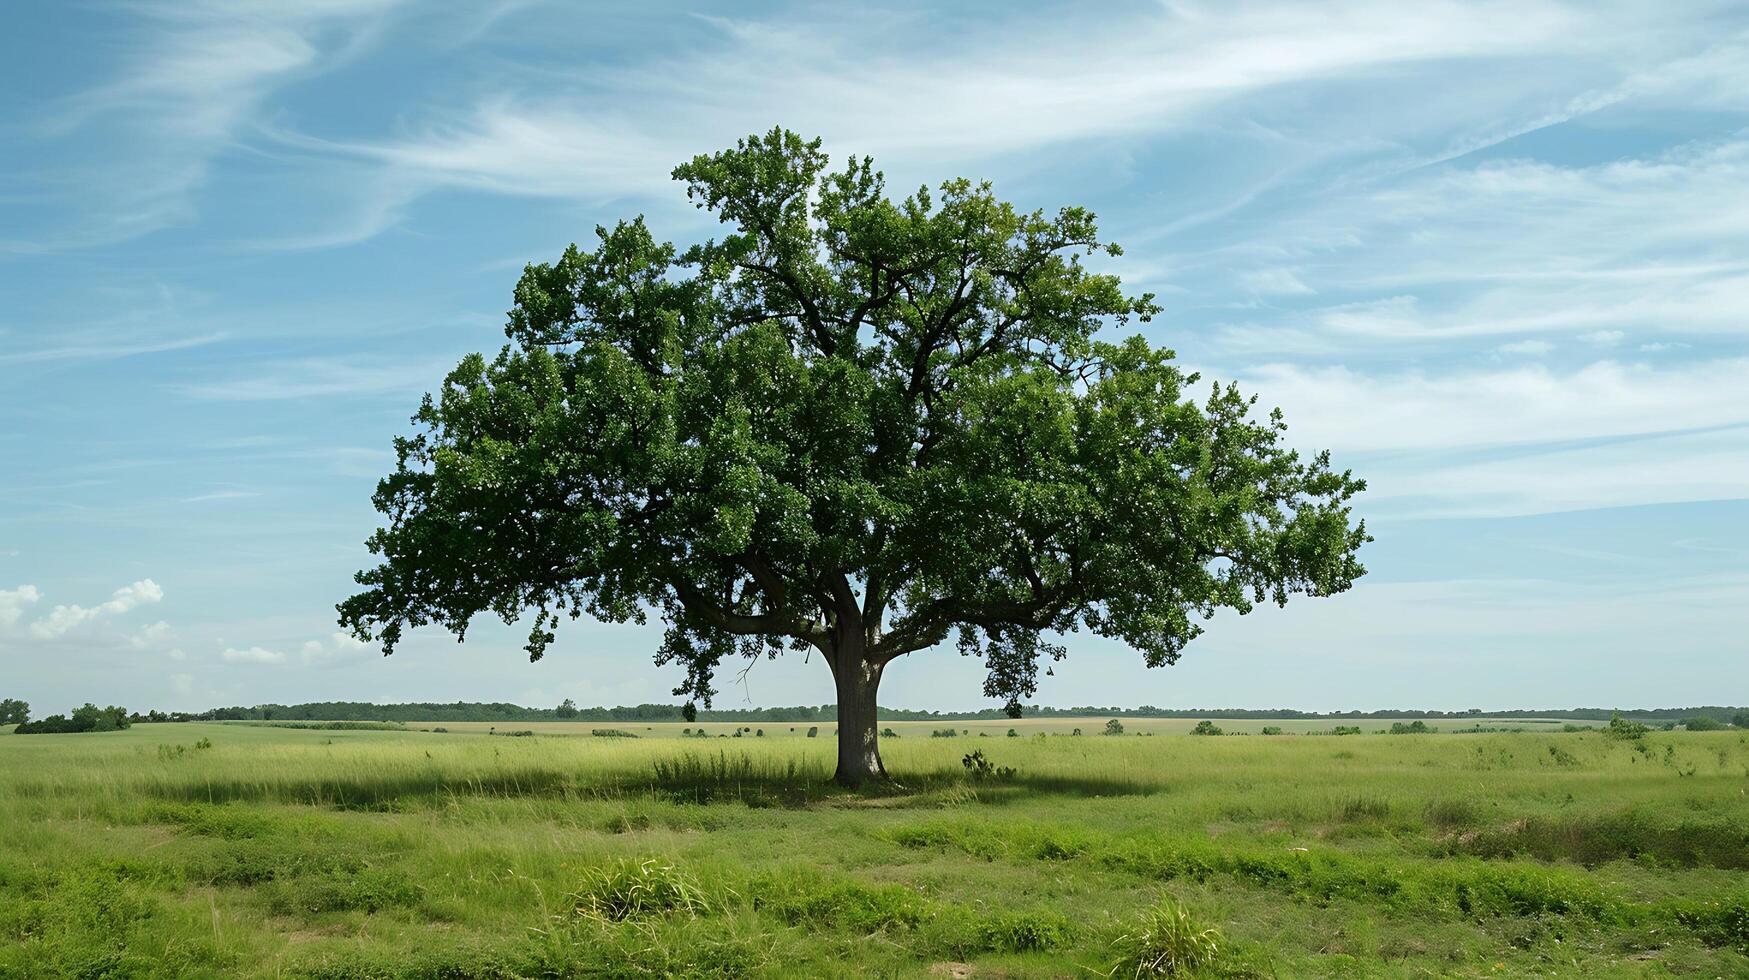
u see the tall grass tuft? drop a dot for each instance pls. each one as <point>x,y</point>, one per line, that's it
<point>755,781</point>
<point>637,889</point>
<point>1168,942</point>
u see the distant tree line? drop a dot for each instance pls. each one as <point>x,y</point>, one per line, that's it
<point>89,718</point>
<point>15,712</point>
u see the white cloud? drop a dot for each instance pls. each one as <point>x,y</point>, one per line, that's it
<point>106,349</point>
<point>220,495</point>
<point>1524,440</point>
<point>150,637</point>
<point>194,74</point>
<point>13,601</point>
<point>338,645</point>
<point>252,655</point>
<point>1630,250</point>
<point>1526,347</point>
<point>1015,84</point>
<point>1348,410</point>
<point>319,378</point>
<point>1284,282</point>
<point>63,618</point>
<point>1676,468</point>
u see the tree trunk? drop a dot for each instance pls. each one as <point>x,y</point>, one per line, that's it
<point>859,750</point>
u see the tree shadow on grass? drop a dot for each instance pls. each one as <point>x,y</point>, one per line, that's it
<point>688,777</point>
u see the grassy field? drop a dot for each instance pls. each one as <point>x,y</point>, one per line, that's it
<point>348,853</point>
<point>1023,726</point>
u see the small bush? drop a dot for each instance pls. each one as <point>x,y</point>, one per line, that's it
<point>1272,729</point>
<point>1113,727</point>
<point>1704,723</point>
<point>1206,727</point>
<point>610,733</point>
<point>945,733</point>
<point>1013,734</point>
<point>889,733</point>
<point>981,768</point>
<point>1168,942</point>
<point>634,889</point>
<point>1416,727</point>
<point>813,731</point>
<point>1561,757</point>
<point>1624,730</point>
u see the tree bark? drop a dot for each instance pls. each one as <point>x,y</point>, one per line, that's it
<point>859,750</point>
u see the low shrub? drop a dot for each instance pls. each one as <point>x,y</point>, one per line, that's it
<point>1366,808</point>
<point>1206,727</point>
<point>366,889</point>
<point>1024,932</point>
<point>1452,813</point>
<point>807,898</point>
<point>980,768</point>
<point>610,733</point>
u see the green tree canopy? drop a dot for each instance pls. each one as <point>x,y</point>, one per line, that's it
<point>852,424</point>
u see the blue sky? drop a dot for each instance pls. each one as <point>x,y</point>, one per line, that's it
<point>1495,256</point>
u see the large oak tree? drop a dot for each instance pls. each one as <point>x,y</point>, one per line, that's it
<point>851,425</point>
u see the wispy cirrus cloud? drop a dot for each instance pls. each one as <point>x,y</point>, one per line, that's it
<point>324,377</point>
<point>615,131</point>
<point>1634,246</point>
<point>1357,411</point>
<point>107,348</point>
<point>124,156</point>
<point>1528,438</point>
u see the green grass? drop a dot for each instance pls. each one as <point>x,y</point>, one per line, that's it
<point>995,728</point>
<point>382,853</point>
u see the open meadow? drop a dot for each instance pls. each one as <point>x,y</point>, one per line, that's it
<point>234,850</point>
<point>1091,725</point>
